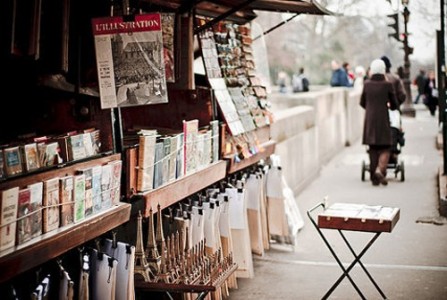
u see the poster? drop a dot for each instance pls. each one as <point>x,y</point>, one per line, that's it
<point>130,60</point>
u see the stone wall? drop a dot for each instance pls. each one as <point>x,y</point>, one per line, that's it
<point>310,128</point>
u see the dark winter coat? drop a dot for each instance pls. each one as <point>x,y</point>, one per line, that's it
<point>398,87</point>
<point>377,94</point>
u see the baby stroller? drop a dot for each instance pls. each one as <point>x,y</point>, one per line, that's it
<point>398,142</point>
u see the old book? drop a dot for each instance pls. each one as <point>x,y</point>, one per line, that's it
<point>88,191</point>
<point>214,140</point>
<point>166,160</point>
<point>23,216</point>
<point>76,147</point>
<point>190,132</point>
<point>36,190</point>
<point>88,144</point>
<point>158,164</point>
<point>200,147</point>
<point>12,160</point>
<point>173,158</point>
<point>51,213</point>
<point>30,157</point>
<point>146,152</point>
<point>49,154</point>
<point>66,199</point>
<point>116,181</point>
<point>8,214</point>
<point>106,186</point>
<point>96,188</point>
<point>2,165</point>
<point>96,140</point>
<point>79,197</point>
<point>180,156</point>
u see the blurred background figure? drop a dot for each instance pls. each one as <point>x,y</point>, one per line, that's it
<point>300,83</point>
<point>419,82</point>
<point>351,75</point>
<point>282,81</point>
<point>339,76</point>
<point>431,92</point>
<point>360,75</point>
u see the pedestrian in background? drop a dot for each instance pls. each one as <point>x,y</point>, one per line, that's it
<point>339,76</point>
<point>395,80</point>
<point>431,93</point>
<point>377,97</point>
<point>420,81</point>
<point>282,82</point>
<point>351,75</point>
<point>360,75</point>
<point>300,83</point>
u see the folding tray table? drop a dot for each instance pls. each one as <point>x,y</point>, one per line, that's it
<point>354,217</point>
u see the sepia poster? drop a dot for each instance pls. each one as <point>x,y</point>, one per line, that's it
<point>130,60</point>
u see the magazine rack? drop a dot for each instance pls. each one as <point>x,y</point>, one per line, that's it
<point>354,217</point>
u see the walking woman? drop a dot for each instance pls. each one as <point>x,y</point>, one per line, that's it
<point>377,97</point>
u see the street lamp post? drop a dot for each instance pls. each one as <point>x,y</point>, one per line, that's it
<point>407,107</point>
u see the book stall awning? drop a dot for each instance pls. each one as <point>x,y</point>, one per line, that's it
<point>240,11</point>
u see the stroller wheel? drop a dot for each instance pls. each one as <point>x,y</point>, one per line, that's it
<point>363,170</point>
<point>402,171</point>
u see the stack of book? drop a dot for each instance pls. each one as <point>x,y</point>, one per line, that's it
<point>33,153</point>
<point>164,155</point>
<point>44,206</point>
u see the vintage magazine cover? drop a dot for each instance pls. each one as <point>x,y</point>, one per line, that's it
<point>51,205</point>
<point>130,60</point>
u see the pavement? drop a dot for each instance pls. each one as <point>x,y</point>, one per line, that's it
<point>408,263</point>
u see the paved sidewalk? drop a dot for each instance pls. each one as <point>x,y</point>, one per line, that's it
<point>408,263</point>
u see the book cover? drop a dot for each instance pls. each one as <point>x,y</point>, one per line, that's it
<point>96,141</point>
<point>146,159</point>
<point>200,152</point>
<point>173,158</point>
<point>23,216</point>
<point>49,154</point>
<point>120,45</point>
<point>214,140</point>
<point>51,205</point>
<point>166,159</point>
<point>88,144</point>
<point>2,165</point>
<point>76,147</point>
<point>158,164</point>
<point>116,181</point>
<point>66,188</point>
<point>106,186</point>
<point>179,171</point>
<point>96,188</point>
<point>207,148</point>
<point>79,197</point>
<point>36,190</point>
<point>190,132</point>
<point>31,157</point>
<point>12,160</point>
<point>88,191</point>
<point>9,203</point>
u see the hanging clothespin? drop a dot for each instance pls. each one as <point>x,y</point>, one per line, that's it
<point>114,241</point>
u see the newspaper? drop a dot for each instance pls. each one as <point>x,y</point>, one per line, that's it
<point>130,60</point>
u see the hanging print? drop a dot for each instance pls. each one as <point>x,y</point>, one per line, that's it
<point>129,58</point>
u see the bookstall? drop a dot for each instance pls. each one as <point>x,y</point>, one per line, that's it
<point>116,143</point>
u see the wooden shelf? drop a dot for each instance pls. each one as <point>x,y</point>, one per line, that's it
<point>50,245</point>
<point>268,148</point>
<point>142,286</point>
<point>70,167</point>
<point>183,187</point>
